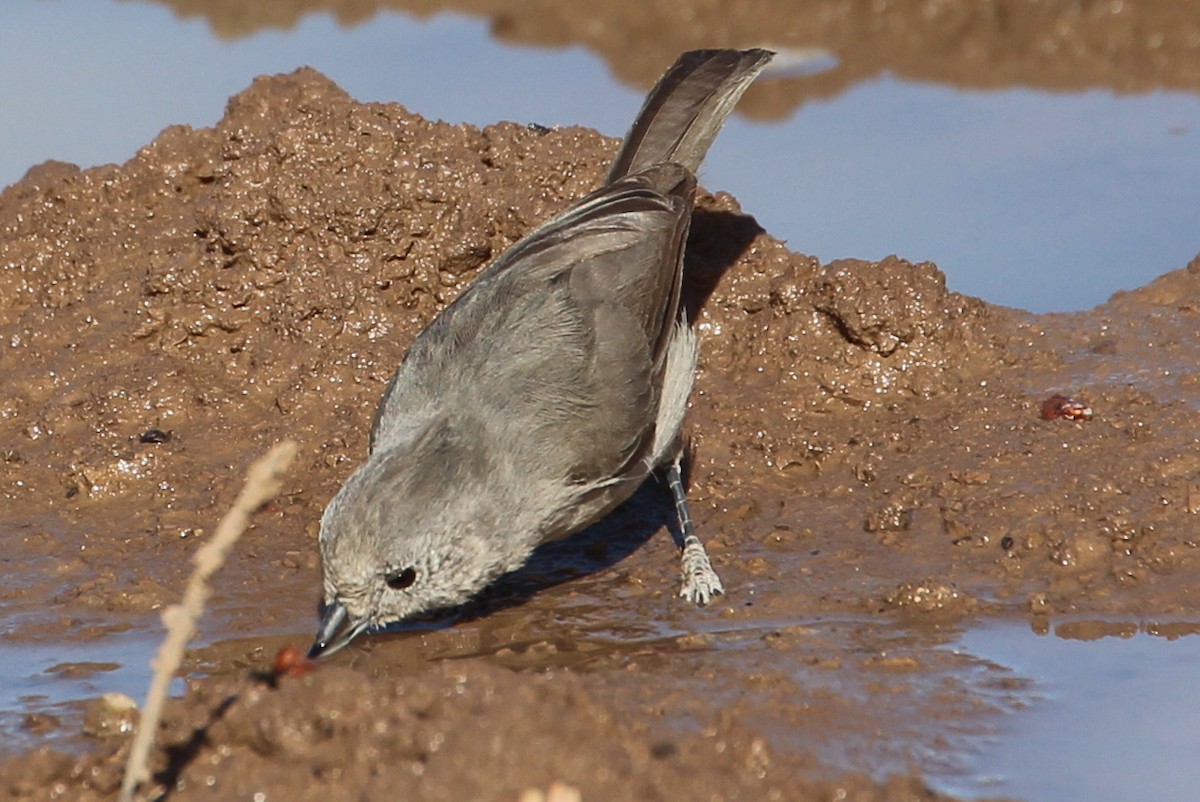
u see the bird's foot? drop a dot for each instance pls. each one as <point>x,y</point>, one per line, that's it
<point>700,581</point>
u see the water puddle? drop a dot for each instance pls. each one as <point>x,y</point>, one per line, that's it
<point>43,686</point>
<point>1112,714</point>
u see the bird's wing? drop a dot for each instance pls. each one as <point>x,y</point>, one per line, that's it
<point>565,333</point>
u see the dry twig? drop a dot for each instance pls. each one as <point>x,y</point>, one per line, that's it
<point>262,483</point>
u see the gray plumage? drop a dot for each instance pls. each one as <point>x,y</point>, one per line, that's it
<point>545,394</point>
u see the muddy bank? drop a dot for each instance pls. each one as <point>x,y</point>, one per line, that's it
<point>449,731</point>
<point>871,470</point>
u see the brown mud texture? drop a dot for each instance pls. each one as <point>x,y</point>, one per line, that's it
<point>871,470</point>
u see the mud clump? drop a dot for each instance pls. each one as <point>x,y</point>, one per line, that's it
<point>866,443</point>
<point>419,736</point>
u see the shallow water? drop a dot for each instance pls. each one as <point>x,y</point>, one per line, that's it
<point>1043,200</point>
<point>54,679</point>
<point>1109,717</point>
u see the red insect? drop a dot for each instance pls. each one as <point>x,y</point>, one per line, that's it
<point>291,662</point>
<point>1063,406</point>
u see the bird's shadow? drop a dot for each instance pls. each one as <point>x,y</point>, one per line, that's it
<point>716,241</point>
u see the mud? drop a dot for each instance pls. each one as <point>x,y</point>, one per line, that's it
<point>870,468</point>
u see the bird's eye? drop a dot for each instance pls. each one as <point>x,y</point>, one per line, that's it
<point>399,580</point>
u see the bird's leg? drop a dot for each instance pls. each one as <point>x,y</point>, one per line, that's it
<point>700,581</point>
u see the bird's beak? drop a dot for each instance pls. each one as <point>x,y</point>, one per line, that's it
<point>335,631</point>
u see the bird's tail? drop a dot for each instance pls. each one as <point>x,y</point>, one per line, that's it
<point>685,110</point>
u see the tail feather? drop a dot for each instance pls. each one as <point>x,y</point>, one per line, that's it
<point>702,88</point>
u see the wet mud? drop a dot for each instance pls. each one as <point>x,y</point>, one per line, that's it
<point>870,467</point>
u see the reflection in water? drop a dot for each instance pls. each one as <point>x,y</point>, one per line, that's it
<point>1054,44</point>
<point>800,62</point>
<point>1117,718</point>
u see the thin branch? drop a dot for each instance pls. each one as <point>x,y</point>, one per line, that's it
<point>262,483</point>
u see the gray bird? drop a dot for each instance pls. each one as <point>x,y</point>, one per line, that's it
<point>545,394</point>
